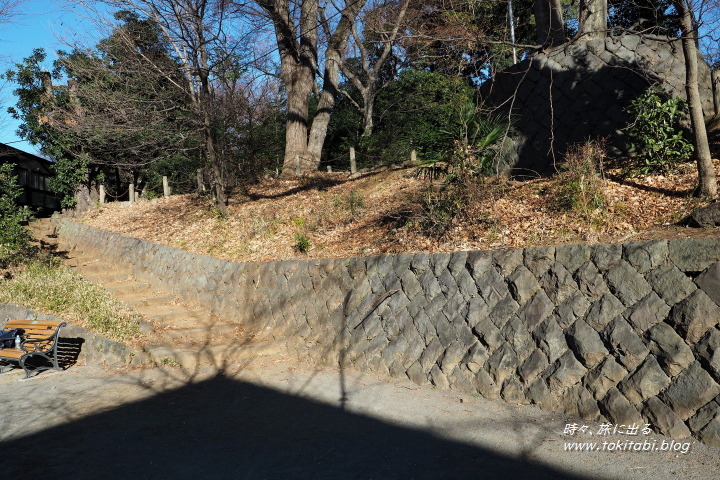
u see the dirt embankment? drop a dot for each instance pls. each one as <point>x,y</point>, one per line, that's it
<point>381,212</point>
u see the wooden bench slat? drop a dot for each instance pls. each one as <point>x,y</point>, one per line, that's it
<point>11,353</point>
<point>36,331</point>
<point>36,336</point>
<point>34,323</point>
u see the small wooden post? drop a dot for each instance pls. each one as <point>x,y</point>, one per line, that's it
<point>715,76</point>
<point>131,193</point>
<point>102,194</point>
<point>201,185</point>
<point>413,157</point>
<point>353,165</point>
<point>166,187</point>
<point>329,169</point>
<point>297,165</point>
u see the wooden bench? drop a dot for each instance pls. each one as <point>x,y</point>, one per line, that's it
<point>38,338</point>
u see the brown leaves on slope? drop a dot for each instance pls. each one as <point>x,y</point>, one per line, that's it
<point>377,214</point>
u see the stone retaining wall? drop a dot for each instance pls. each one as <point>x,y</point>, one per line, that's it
<point>95,349</point>
<point>626,332</point>
<point>579,91</point>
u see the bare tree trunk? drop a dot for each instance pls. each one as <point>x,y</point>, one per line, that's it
<point>297,46</point>
<point>298,80</point>
<point>318,130</point>
<point>549,21</point>
<point>204,104</point>
<point>297,40</point>
<point>370,70</point>
<point>715,77</point>
<point>368,123</point>
<point>221,201</point>
<point>337,41</point>
<point>593,19</point>
<point>707,182</point>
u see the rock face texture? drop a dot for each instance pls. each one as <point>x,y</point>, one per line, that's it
<point>623,333</point>
<point>708,216</point>
<point>579,91</point>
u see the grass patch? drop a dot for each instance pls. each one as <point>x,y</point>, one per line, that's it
<point>43,284</point>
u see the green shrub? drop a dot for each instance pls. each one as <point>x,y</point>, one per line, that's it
<point>478,153</point>
<point>655,132</point>
<point>478,141</point>
<point>302,243</point>
<point>14,237</point>
<point>440,207</point>
<point>413,112</point>
<point>581,187</point>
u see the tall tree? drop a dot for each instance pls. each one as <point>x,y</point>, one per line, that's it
<point>469,39</point>
<point>656,17</point>
<point>126,112</point>
<point>593,19</point>
<point>549,21</point>
<point>297,30</point>
<point>36,98</point>
<point>198,33</point>
<point>118,110</point>
<point>707,181</point>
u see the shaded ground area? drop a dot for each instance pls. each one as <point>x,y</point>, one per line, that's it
<point>272,420</point>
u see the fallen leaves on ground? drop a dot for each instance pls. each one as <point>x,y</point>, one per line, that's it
<point>377,213</point>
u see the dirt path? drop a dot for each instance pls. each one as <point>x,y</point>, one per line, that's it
<point>271,418</point>
<point>174,332</point>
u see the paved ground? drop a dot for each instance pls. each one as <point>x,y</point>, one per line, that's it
<point>274,419</point>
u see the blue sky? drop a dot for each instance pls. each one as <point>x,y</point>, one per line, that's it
<point>39,25</point>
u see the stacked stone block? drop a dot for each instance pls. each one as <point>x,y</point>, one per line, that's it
<point>579,91</point>
<point>626,333</point>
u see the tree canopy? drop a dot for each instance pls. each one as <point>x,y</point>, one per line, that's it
<point>275,85</point>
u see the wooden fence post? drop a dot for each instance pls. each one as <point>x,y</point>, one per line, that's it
<point>201,185</point>
<point>131,193</point>
<point>413,157</point>
<point>353,165</point>
<point>166,187</point>
<point>102,194</point>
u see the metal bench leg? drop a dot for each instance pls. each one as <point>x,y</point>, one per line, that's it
<point>54,359</point>
<point>22,364</point>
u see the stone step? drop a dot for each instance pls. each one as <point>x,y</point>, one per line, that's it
<point>45,237</point>
<point>168,308</point>
<point>107,279</point>
<point>173,317</point>
<point>185,336</point>
<point>81,261</point>
<point>157,301</point>
<point>72,252</point>
<point>130,287</point>
<point>96,268</point>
